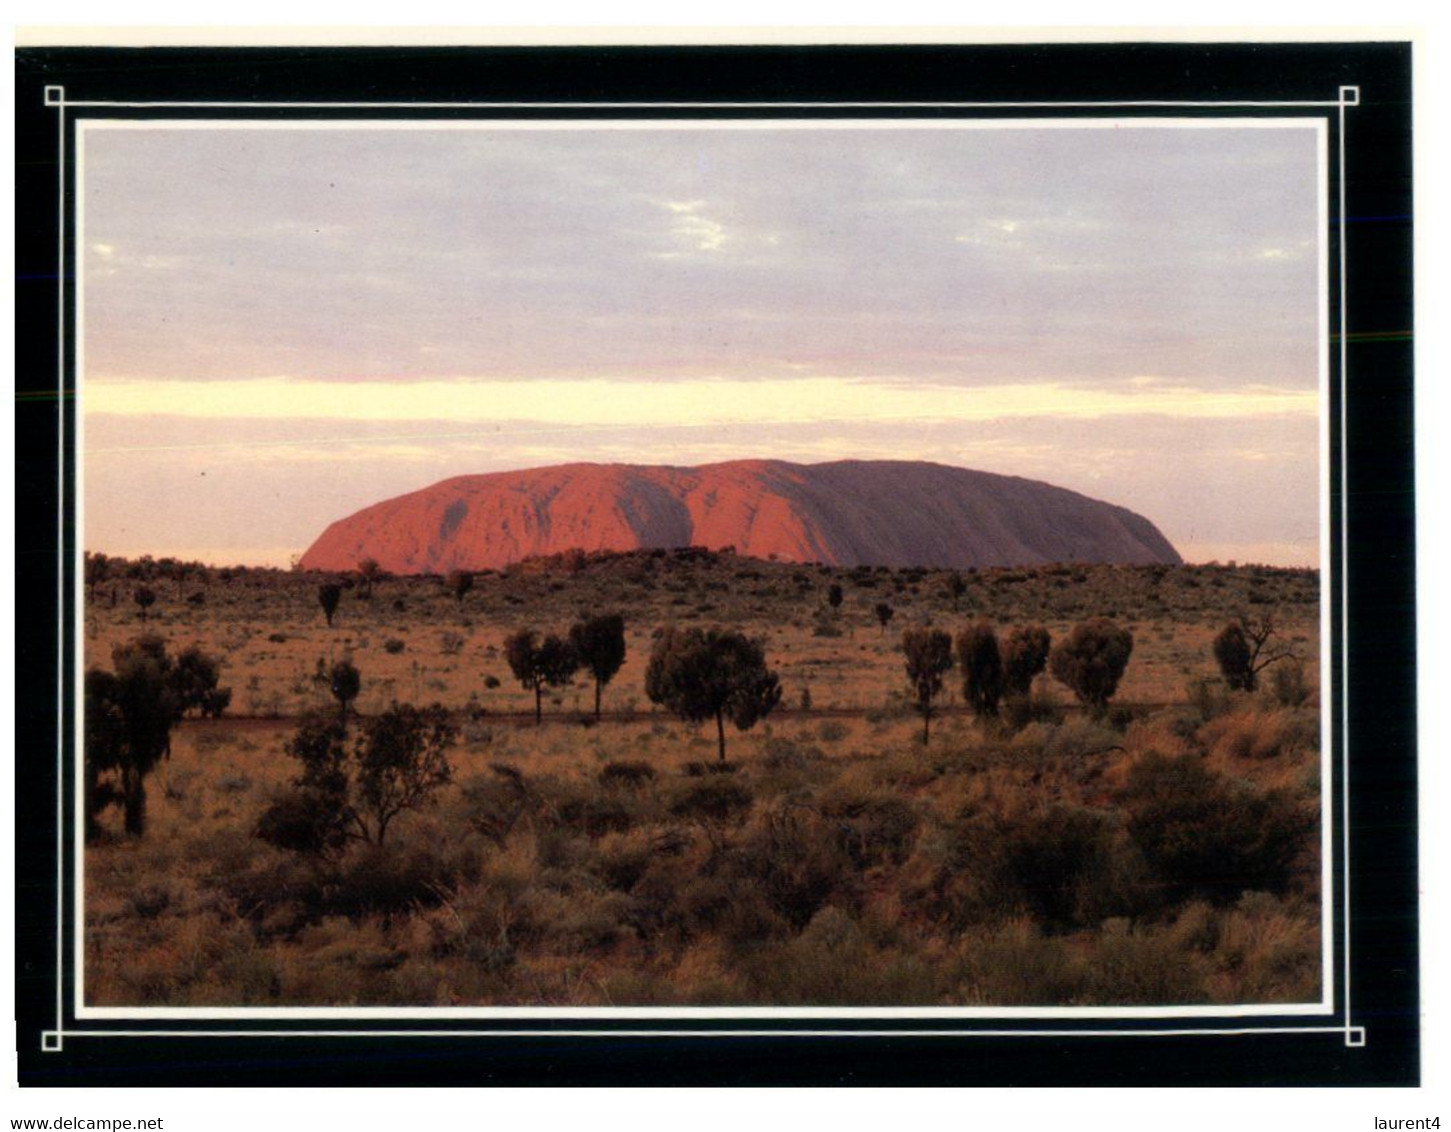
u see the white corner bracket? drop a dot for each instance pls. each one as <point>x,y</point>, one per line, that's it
<point>1355,1036</point>
<point>51,1042</point>
<point>1350,96</point>
<point>55,96</point>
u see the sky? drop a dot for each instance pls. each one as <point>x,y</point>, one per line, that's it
<point>280,326</point>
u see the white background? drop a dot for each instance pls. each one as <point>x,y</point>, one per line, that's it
<point>636,1110</point>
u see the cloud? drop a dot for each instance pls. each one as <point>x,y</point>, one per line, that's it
<point>646,404</point>
<point>690,227</point>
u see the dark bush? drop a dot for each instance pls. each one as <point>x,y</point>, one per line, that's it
<point>375,881</point>
<point>1065,866</point>
<point>594,815</point>
<point>795,859</point>
<point>1206,835</point>
<point>626,774</point>
<point>873,829</point>
<point>1025,654</point>
<point>303,820</point>
<point>982,668</point>
<point>1019,711</point>
<point>1092,660</point>
<point>716,798</point>
<point>328,596</point>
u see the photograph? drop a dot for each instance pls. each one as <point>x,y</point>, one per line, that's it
<point>685,545</point>
<point>732,563</point>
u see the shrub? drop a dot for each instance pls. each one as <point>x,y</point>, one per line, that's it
<point>1231,651</point>
<point>459,583</point>
<point>594,815</point>
<point>394,646</point>
<point>1092,659</point>
<point>982,668</point>
<point>1210,698</point>
<point>833,962</point>
<point>215,702</point>
<point>1243,652</point>
<point>1020,711</point>
<point>795,860</point>
<point>1015,965</point>
<point>397,764</point>
<point>345,682</point>
<point>1287,683</point>
<point>128,718</point>
<point>1063,865</point>
<point>716,798</point>
<point>369,571</point>
<point>626,774</point>
<point>1024,655</point>
<point>303,820</point>
<point>145,598</point>
<point>874,828</point>
<point>1208,836</point>
<point>832,731</point>
<point>328,596</point>
<point>1135,966</point>
<point>1251,734</point>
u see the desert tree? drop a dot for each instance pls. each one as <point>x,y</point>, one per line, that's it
<point>956,587</point>
<point>145,598</point>
<point>104,745</point>
<point>130,712</point>
<point>328,596</point>
<point>538,664</point>
<point>345,682</point>
<point>368,571</point>
<point>195,676</point>
<point>354,792</point>
<point>834,596</point>
<point>459,582</point>
<point>1025,654</point>
<point>928,655</point>
<point>1243,651</point>
<point>719,674</point>
<point>1091,660</point>
<point>399,764</point>
<point>982,668</point>
<point>884,613</point>
<point>600,644</point>
<point>97,569</point>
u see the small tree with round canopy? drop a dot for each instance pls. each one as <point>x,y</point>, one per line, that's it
<point>719,674</point>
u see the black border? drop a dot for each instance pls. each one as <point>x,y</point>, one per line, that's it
<point>1380,556</point>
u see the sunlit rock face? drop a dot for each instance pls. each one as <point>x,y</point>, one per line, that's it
<point>847,513</point>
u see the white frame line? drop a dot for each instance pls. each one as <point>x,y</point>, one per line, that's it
<point>570,1033</point>
<point>1344,579</point>
<point>245,106</point>
<point>1348,95</point>
<point>60,591</point>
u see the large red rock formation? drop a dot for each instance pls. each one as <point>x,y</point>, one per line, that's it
<point>848,513</point>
